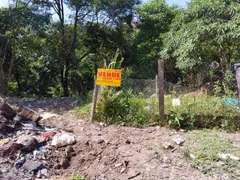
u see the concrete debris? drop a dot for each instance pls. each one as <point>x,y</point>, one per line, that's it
<point>179,140</point>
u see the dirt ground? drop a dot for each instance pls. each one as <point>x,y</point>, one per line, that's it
<point>115,152</point>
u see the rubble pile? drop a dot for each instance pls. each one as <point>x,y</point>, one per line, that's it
<point>27,148</point>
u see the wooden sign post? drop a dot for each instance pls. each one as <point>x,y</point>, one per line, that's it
<point>105,77</point>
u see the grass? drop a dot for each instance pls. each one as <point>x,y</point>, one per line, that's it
<point>205,146</point>
<point>76,176</point>
<point>84,110</point>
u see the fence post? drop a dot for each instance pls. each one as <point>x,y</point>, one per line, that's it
<point>238,82</point>
<point>156,84</point>
<point>95,97</point>
<point>161,88</point>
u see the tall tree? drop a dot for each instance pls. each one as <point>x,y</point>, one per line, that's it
<point>207,31</point>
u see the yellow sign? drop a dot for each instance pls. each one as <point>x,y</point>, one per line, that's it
<point>109,77</point>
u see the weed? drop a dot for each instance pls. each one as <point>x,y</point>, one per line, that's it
<point>76,176</point>
<point>206,145</point>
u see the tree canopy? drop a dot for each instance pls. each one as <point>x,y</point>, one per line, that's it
<point>59,58</point>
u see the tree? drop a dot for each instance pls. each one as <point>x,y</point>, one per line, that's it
<point>154,19</point>
<point>207,31</point>
<point>16,22</point>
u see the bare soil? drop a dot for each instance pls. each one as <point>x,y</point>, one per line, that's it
<point>115,152</point>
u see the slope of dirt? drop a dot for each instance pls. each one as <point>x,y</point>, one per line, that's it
<point>115,152</point>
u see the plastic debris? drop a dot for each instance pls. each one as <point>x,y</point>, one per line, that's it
<point>63,139</point>
<point>176,102</point>
<point>226,156</point>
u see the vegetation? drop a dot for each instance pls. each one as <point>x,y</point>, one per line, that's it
<point>40,56</point>
<point>205,145</point>
<point>76,176</point>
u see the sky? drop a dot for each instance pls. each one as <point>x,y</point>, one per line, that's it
<point>4,3</point>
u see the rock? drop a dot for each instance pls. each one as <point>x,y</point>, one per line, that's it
<point>192,156</point>
<point>167,145</point>
<point>29,143</point>
<point>63,139</point>
<point>166,160</point>
<point>65,163</point>
<point>128,141</point>
<point>179,140</point>
<point>58,166</point>
<point>10,149</point>
<point>165,166</point>
<point>226,156</point>
<point>100,141</point>
<point>69,149</point>
<point>118,165</point>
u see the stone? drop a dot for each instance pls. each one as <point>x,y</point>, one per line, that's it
<point>178,140</point>
<point>128,141</point>
<point>192,156</point>
<point>100,141</point>
<point>167,145</point>
<point>65,163</point>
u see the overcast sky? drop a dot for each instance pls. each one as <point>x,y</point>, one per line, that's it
<point>4,3</point>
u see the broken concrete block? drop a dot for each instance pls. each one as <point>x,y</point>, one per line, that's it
<point>178,140</point>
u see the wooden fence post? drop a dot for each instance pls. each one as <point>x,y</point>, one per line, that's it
<point>161,88</point>
<point>238,82</point>
<point>95,97</point>
<point>156,84</point>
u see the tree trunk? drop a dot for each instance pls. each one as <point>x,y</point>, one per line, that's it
<point>190,81</point>
<point>3,84</point>
<point>11,63</point>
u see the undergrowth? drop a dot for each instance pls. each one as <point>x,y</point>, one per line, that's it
<point>195,110</point>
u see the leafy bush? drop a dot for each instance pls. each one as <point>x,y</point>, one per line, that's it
<point>202,111</point>
<point>122,107</point>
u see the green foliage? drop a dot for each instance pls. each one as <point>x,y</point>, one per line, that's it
<point>227,87</point>
<point>207,31</point>
<point>122,107</point>
<point>201,111</point>
<point>76,176</point>
<point>155,18</point>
